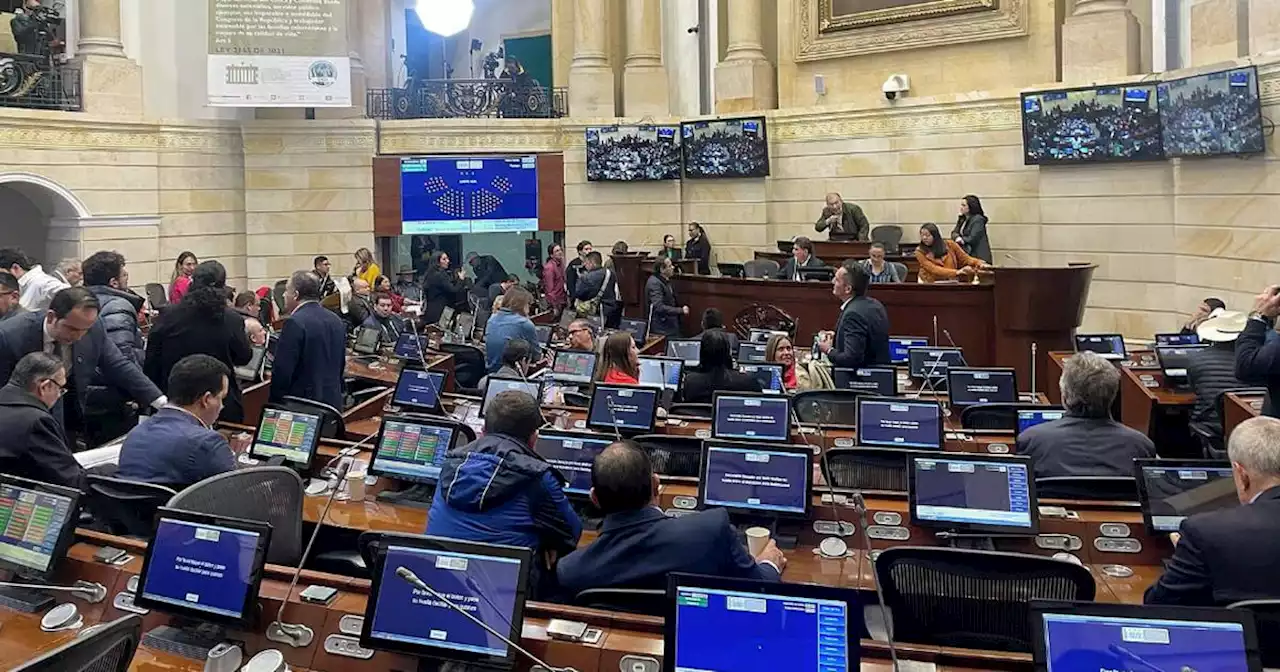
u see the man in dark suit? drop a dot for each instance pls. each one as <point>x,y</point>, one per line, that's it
<point>801,257</point>
<point>70,330</point>
<point>1257,358</point>
<point>1228,555</point>
<point>311,355</point>
<point>639,545</point>
<point>488,272</point>
<point>862,332</point>
<point>35,446</point>
<point>846,221</point>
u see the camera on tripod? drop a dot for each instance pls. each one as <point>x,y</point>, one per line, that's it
<point>40,31</point>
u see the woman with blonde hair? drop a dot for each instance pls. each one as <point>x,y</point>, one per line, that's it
<point>366,268</point>
<point>180,281</point>
<point>779,350</point>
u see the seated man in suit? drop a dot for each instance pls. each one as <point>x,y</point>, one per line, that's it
<point>801,257</point>
<point>178,446</point>
<point>1228,555</point>
<point>388,325</point>
<point>34,446</point>
<point>862,330</point>
<point>639,545</point>
<point>311,355</point>
<point>360,307</point>
<point>1085,442</point>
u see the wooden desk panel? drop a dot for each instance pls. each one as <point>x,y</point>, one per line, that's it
<point>1240,406</point>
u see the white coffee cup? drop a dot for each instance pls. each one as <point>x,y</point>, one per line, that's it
<point>757,539</point>
<point>355,486</point>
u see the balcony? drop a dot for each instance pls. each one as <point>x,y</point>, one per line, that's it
<point>33,83</point>
<point>467,98</point>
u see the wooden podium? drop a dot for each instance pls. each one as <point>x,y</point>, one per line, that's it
<point>1043,306</point>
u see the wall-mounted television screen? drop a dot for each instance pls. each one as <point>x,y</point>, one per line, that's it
<point>468,194</point>
<point>1106,123</point>
<point>1212,114</point>
<point>725,148</point>
<point>633,153</point>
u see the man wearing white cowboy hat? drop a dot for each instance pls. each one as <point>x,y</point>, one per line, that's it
<point>1212,372</point>
<point>1257,357</point>
<point>405,285</point>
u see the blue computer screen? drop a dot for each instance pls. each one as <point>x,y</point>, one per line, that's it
<point>757,478</point>
<point>1177,339</point>
<point>572,455</point>
<point>768,375</point>
<point>751,417</point>
<point>1077,642</point>
<point>454,195</point>
<point>1030,418</point>
<point>898,346</point>
<point>484,585</point>
<point>901,423</point>
<point>409,346</point>
<point>880,382</point>
<point>654,371</point>
<point>967,387</point>
<point>417,388</point>
<point>975,491</point>
<point>630,408</point>
<point>208,568</point>
<point>751,353</point>
<point>412,450</point>
<point>1107,345</point>
<point>728,630</point>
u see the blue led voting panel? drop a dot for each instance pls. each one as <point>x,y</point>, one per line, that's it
<point>756,479</point>
<point>968,386</point>
<point>661,372</point>
<point>37,521</point>
<point>987,494</point>
<point>768,375</point>
<point>627,407</point>
<point>419,389</point>
<point>497,386</point>
<point>899,347</point>
<point>900,423</point>
<point>572,454</point>
<point>573,366</point>
<point>1030,417</point>
<point>1110,346</point>
<point>880,382</point>
<point>410,449</point>
<point>751,416</point>
<point>288,434</point>
<point>1171,490</point>
<point>453,195</point>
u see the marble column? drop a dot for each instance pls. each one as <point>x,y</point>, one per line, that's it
<point>1219,30</point>
<point>644,77</point>
<point>1100,41</point>
<point>591,81</point>
<point>745,79</point>
<point>111,83</point>
<point>355,34</point>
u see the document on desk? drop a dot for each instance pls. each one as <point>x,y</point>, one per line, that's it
<point>109,453</point>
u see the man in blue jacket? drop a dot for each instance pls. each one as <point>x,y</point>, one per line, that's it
<point>178,446</point>
<point>639,545</point>
<point>108,414</point>
<point>497,490</point>
<point>510,323</point>
<point>311,356</point>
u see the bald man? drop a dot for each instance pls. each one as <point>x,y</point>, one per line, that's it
<point>361,305</point>
<point>845,220</point>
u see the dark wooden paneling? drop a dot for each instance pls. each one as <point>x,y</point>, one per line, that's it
<point>551,192</point>
<point>386,196</point>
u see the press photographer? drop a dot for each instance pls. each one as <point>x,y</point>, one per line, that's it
<point>35,28</point>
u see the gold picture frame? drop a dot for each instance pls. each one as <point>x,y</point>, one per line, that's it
<point>827,29</point>
<point>891,11</point>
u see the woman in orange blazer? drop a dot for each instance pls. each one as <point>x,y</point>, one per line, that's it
<point>942,259</point>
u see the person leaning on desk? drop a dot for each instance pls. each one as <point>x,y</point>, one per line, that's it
<point>846,221</point>
<point>942,259</point>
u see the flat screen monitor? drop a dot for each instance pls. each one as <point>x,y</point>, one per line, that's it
<point>629,408</point>
<point>40,521</point>
<point>499,385</point>
<point>419,389</point>
<point>725,148</point>
<point>1212,114</point>
<point>1074,636</point>
<point>877,382</point>
<point>980,494</point>
<point>366,341</point>
<point>1174,360</point>
<point>768,375</point>
<point>968,386</point>
<point>1105,123</point>
<point>661,372</point>
<point>544,332</point>
<point>412,449</point>
<point>714,623</point>
<point>763,335</point>
<point>204,567</point>
<point>1177,339</point>
<point>1030,417</point>
<point>253,370</point>
<point>1108,346</point>
<point>572,453</point>
<point>754,417</point>
<point>468,194</point>
<point>573,366</point>
<point>409,346</point>
<point>288,434</point>
<point>446,319</point>
<point>639,330</point>
<point>756,478</point>
<point>688,349</point>
<point>901,423</point>
<point>816,273</point>
<point>751,353</point>
<point>489,581</point>
<point>933,362</point>
<point>633,153</point>
<point>899,347</point>
<point>1171,490</point>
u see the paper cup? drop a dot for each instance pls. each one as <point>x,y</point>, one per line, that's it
<point>355,486</point>
<point>757,539</point>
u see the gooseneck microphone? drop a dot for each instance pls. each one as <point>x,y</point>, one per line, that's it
<point>608,401</point>
<point>831,488</point>
<point>952,343</point>
<point>935,330</point>
<point>1010,257</point>
<point>860,505</point>
<point>1034,348</point>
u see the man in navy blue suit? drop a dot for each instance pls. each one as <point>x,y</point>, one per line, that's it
<point>639,545</point>
<point>311,356</point>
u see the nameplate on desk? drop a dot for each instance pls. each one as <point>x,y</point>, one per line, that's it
<point>844,442</point>
<point>998,448</point>
<point>1115,530</point>
<point>351,625</point>
<point>124,602</point>
<point>1108,545</point>
<point>834,498</point>
<point>1059,542</point>
<point>887,518</point>
<point>888,533</point>
<point>703,434</point>
<point>1057,512</point>
<point>684,502</point>
<point>347,647</point>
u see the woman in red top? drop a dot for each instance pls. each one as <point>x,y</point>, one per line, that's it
<point>620,360</point>
<point>180,281</point>
<point>384,285</point>
<point>553,278</point>
<point>779,350</point>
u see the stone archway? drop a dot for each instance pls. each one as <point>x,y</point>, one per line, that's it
<point>40,216</point>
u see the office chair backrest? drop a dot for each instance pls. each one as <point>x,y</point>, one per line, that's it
<point>156,295</point>
<point>890,235</point>
<point>973,599</point>
<point>332,426</point>
<point>649,602</point>
<point>277,293</point>
<point>266,311</point>
<point>108,647</point>
<point>468,364</point>
<point>268,494</point>
<point>866,468</point>
<point>124,507</point>
<point>465,326</point>
<point>577,400</point>
<point>827,407</point>
<point>1266,618</point>
<point>902,269</point>
<point>673,455</point>
<point>993,416</point>
<point>686,410</point>
<point>760,268</point>
<point>1089,488</point>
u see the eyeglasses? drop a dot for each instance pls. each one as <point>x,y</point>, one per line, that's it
<point>62,387</point>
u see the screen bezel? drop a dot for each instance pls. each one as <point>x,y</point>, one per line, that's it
<point>443,545</point>
<point>1164,369</point>
<point>1243,617</point>
<point>1051,408</point>
<point>784,448</point>
<point>1124,349</point>
<point>566,434</point>
<point>248,612</point>
<point>1257,88</point>
<point>484,395</point>
<point>906,347</point>
<point>853,373</point>
<point>764,398</point>
<point>924,373</point>
<point>863,399</point>
<point>1022,123</point>
<point>595,363</point>
<point>456,157</point>
<point>764,137</point>
<point>644,338</point>
<point>679,143</point>
<point>748,345</point>
<point>1144,497</point>
<point>671,341</point>
<point>672,361</point>
<point>432,375</point>
<point>1013,373</point>
<point>771,366</point>
<point>66,535</point>
<point>975,528</point>
<point>454,428</point>
<point>311,453</point>
<point>645,389</point>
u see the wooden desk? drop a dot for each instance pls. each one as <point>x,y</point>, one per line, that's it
<point>1150,406</point>
<point>908,260</point>
<point>1240,406</point>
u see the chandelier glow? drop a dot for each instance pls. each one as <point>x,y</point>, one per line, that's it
<point>445,17</point>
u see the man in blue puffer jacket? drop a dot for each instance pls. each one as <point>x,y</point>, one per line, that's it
<point>497,490</point>
<point>109,413</point>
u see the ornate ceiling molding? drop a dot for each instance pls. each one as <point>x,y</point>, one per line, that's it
<point>928,24</point>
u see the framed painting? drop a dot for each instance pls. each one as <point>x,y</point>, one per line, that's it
<point>841,28</point>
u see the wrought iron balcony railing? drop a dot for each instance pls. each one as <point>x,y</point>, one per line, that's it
<point>33,82</point>
<point>467,98</point>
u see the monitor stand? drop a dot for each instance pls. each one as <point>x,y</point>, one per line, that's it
<point>25,600</point>
<point>418,496</point>
<point>187,638</point>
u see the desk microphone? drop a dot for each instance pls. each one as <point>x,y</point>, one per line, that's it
<point>412,579</point>
<point>1034,348</point>
<point>935,330</point>
<point>537,396</point>
<point>952,343</point>
<point>608,402</point>
<point>1010,257</point>
<point>831,488</point>
<point>88,591</point>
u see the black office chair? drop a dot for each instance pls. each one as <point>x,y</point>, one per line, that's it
<point>649,602</point>
<point>1088,488</point>
<point>332,426</point>
<point>888,234</point>
<point>156,295</point>
<point>827,407</point>
<point>867,468</point>
<point>268,494</point>
<point>688,410</point>
<point>107,647</point>
<point>1266,618</point>
<point>994,416</point>
<point>468,364</point>
<point>577,400</point>
<point>760,268</point>
<point>973,599</point>
<point>122,507</point>
<point>1215,447</point>
<point>673,455</point>
<point>902,269</point>
<point>277,293</point>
